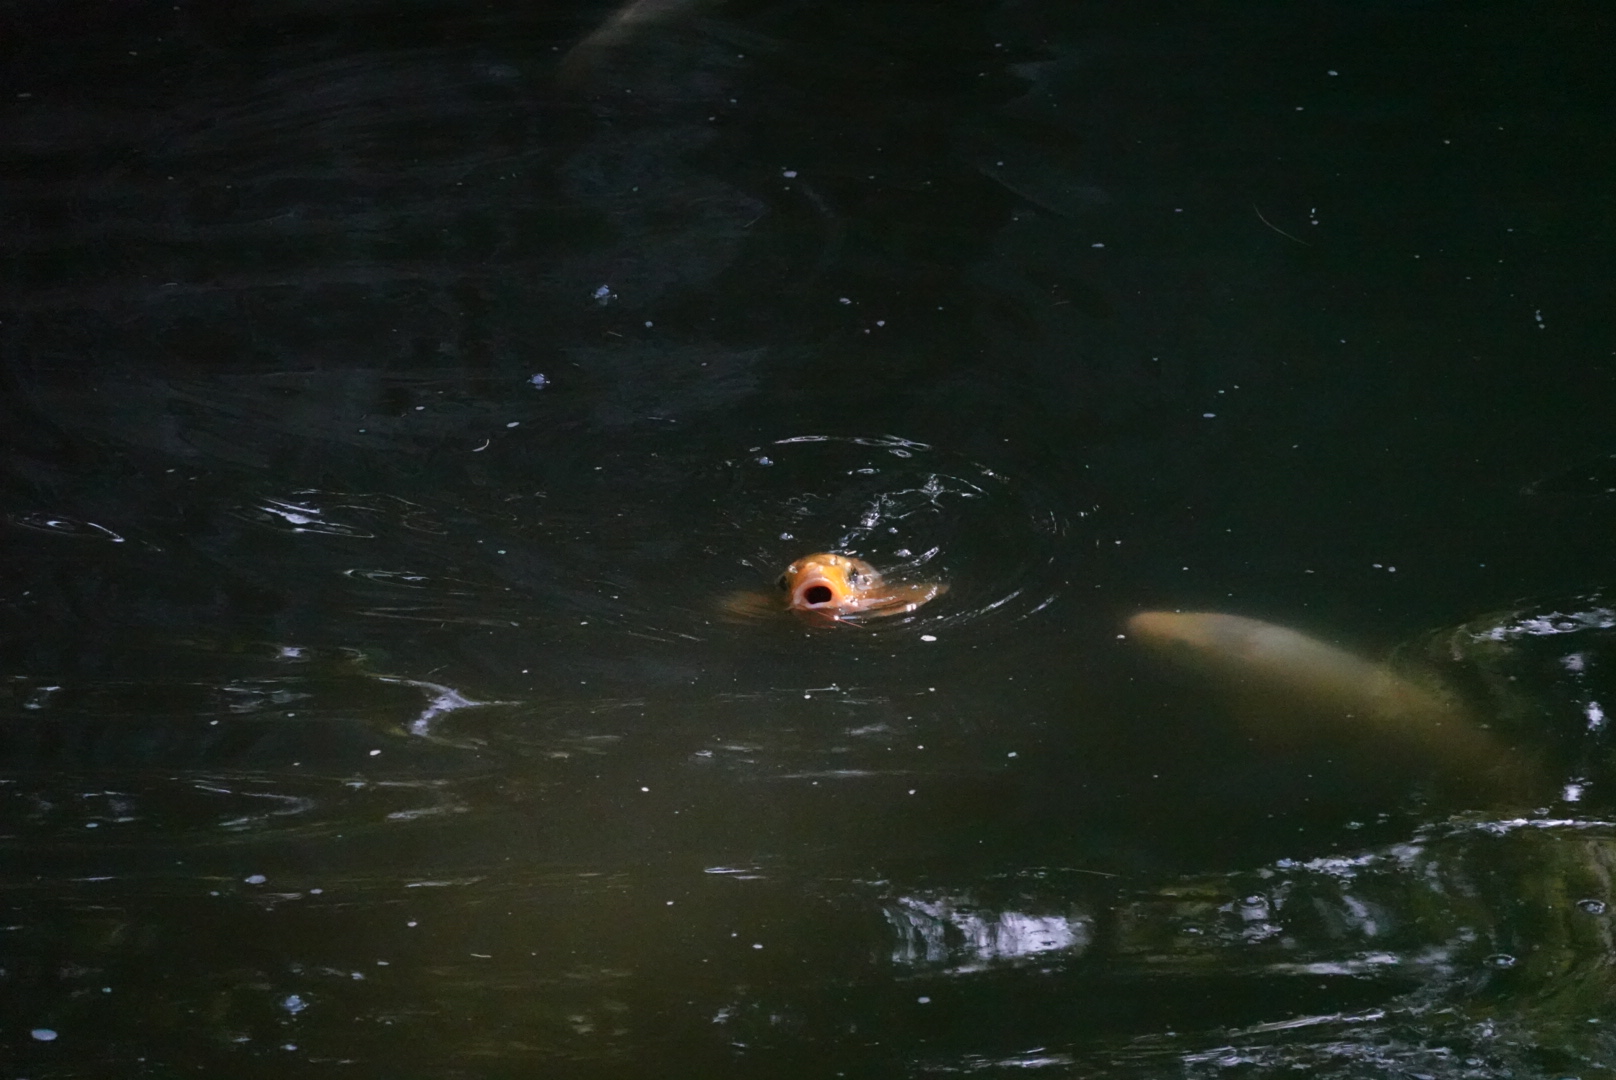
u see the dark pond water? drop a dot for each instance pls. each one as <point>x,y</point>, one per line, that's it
<point>395,398</point>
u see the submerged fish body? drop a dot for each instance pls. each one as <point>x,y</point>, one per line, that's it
<point>1288,688</point>
<point>836,588</point>
<point>620,28</point>
<point>1258,653</point>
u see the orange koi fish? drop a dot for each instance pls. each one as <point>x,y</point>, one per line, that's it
<point>838,588</point>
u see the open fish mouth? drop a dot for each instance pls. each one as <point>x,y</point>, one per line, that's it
<point>817,593</point>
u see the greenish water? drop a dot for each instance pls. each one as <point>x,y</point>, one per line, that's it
<point>391,397</point>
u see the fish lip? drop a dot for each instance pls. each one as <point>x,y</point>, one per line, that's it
<point>799,595</point>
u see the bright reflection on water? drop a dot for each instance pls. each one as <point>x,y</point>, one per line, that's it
<point>393,404</point>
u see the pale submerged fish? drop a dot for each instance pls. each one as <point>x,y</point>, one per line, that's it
<point>1289,689</point>
<point>622,27</point>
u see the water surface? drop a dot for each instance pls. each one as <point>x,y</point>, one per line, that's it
<point>393,395</point>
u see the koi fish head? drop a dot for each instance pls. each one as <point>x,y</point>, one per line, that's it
<point>828,584</point>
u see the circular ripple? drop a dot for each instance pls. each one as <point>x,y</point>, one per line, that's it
<point>918,513</point>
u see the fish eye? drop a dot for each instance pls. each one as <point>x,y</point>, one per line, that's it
<point>853,576</point>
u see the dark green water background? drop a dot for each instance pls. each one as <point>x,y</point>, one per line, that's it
<point>391,393</point>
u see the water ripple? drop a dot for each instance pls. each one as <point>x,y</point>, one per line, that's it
<point>64,525</point>
<point>918,512</point>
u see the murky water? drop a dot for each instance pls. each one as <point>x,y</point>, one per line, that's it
<point>395,401</point>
